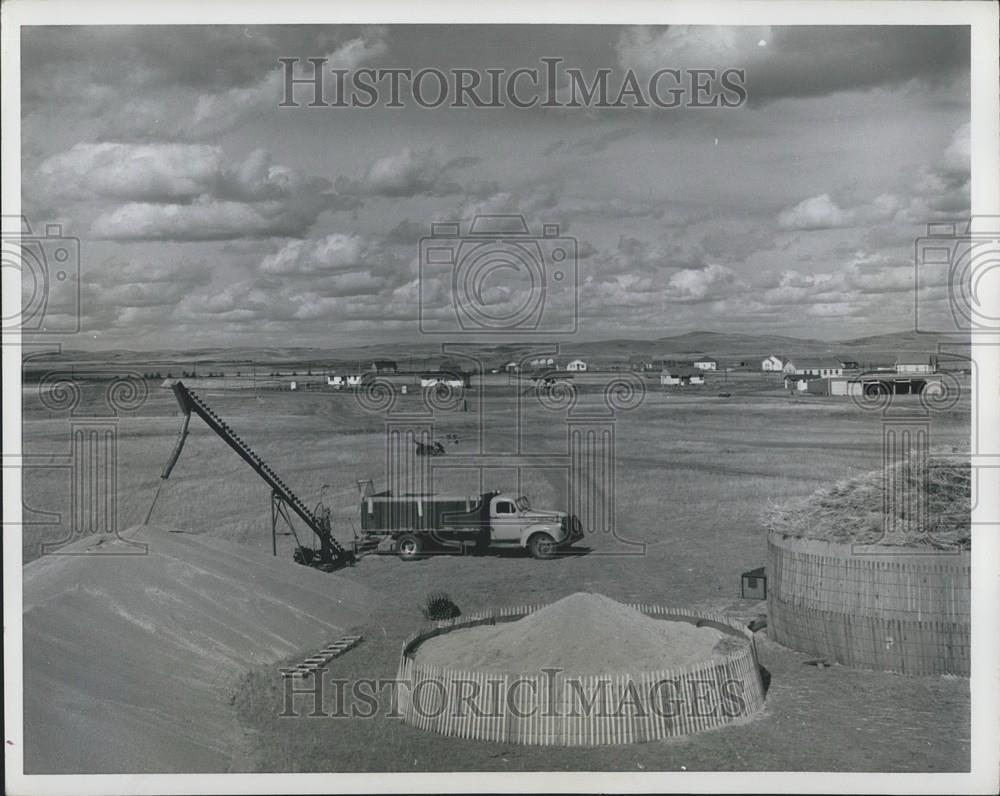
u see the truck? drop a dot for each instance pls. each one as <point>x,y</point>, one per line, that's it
<point>415,524</point>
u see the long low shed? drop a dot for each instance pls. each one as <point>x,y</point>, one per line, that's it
<point>874,383</point>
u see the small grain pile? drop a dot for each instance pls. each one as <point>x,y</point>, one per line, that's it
<point>583,633</point>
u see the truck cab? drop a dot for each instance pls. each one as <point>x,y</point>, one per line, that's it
<point>514,523</point>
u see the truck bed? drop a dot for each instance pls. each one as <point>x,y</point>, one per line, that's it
<point>386,513</point>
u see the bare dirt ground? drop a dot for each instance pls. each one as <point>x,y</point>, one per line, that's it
<point>693,474</point>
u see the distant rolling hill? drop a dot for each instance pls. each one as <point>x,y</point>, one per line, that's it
<point>721,345</point>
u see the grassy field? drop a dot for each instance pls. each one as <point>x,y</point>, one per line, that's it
<point>694,476</point>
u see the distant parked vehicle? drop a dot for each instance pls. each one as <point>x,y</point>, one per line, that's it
<point>426,449</point>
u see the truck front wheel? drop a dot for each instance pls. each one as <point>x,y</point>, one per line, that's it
<point>542,546</point>
<point>408,547</point>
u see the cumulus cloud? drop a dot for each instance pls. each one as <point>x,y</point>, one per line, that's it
<point>147,172</point>
<point>784,61</point>
<point>208,219</point>
<point>700,284</point>
<point>336,252</point>
<point>138,293</point>
<point>345,298</point>
<point>637,256</point>
<point>214,113</point>
<point>938,190</point>
<point>651,48</point>
<point>173,114</point>
<point>817,212</point>
<point>187,192</point>
<point>408,173</point>
<point>529,203</point>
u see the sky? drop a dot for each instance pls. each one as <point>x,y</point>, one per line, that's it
<point>208,216</point>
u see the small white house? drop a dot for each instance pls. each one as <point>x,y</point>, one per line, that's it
<point>577,366</point>
<point>335,381</point>
<point>444,379</point>
<point>292,385</point>
<point>511,367</point>
<point>914,364</point>
<point>773,364</point>
<point>679,376</point>
<point>706,363</point>
<point>353,381</point>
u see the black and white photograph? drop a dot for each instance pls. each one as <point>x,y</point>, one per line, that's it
<point>549,397</point>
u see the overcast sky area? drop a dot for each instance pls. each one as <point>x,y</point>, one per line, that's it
<point>209,216</point>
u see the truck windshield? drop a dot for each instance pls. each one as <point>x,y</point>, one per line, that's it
<point>523,503</point>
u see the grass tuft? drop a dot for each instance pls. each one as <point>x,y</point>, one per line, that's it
<point>440,606</point>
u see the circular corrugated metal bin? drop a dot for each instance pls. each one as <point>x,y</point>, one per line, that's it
<point>871,607</point>
<point>508,702</point>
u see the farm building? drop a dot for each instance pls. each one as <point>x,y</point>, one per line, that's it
<point>510,367</point>
<point>814,367</point>
<point>640,363</point>
<point>873,384</point>
<point>577,365</point>
<point>774,364</point>
<point>914,364</point>
<point>337,382</point>
<point>384,366</point>
<point>679,376</point>
<point>441,378</point>
<point>706,363</point>
<point>798,381</point>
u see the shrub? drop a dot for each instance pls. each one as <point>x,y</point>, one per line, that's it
<point>440,606</point>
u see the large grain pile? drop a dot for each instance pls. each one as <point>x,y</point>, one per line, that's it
<point>583,633</point>
<point>130,661</point>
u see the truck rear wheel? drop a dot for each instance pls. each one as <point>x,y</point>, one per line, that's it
<point>408,547</point>
<point>542,546</point>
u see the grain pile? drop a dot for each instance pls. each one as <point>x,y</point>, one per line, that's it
<point>853,509</point>
<point>583,633</point>
<point>130,661</point>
